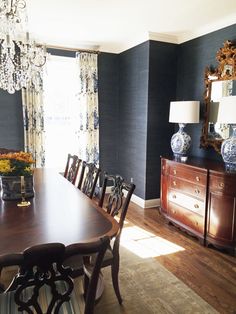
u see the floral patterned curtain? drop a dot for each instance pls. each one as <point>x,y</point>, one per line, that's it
<point>88,131</point>
<point>32,101</point>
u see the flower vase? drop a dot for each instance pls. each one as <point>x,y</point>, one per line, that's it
<point>11,187</point>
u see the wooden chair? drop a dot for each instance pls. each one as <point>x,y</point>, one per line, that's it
<point>72,168</point>
<point>88,178</point>
<point>42,277</point>
<point>116,204</point>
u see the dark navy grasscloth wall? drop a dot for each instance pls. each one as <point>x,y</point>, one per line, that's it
<point>193,57</point>
<point>161,90</point>
<point>108,93</point>
<point>11,121</point>
<point>147,85</point>
<point>133,106</point>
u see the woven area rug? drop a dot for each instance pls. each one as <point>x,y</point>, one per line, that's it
<point>146,287</point>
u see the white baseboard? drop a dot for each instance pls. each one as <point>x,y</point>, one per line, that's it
<point>139,201</point>
<point>145,203</point>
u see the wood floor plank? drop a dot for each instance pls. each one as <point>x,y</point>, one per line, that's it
<point>210,273</point>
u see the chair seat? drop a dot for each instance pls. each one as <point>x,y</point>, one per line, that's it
<point>75,262</point>
<point>108,255</point>
<point>74,306</point>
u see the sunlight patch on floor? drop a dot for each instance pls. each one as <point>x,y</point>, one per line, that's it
<point>146,244</point>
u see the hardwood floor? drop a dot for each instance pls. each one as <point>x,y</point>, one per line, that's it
<point>210,273</point>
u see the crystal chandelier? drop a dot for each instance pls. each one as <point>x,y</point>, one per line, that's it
<point>21,59</point>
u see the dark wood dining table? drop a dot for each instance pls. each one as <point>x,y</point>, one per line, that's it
<point>59,212</point>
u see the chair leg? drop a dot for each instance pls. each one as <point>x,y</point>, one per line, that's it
<point>115,279</point>
<point>1,285</point>
<point>86,283</point>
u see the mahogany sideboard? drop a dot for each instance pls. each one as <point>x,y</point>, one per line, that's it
<point>199,196</point>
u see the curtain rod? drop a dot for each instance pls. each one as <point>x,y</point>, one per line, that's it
<point>72,49</point>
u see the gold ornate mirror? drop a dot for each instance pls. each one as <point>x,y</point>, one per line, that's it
<point>219,82</point>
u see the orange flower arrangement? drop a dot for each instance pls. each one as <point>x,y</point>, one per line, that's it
<point>16,164</point>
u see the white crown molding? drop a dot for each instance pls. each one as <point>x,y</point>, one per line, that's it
<point>119,48</point>
<point>173,39</point>
<point>230,20</point>
<point>125,45</point>
<point>168,38</point>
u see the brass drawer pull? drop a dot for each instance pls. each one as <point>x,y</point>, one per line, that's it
<point>174,171</point>
<point>196,206</point>
<point>196,223</point>
<point>197,179</point>
<point>197,191</point>
<point>174,211</point>
<point>173,196</point>
<point>174,183</point>
<point>221,185</point>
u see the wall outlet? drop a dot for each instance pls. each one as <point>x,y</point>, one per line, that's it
<point>132,180</point>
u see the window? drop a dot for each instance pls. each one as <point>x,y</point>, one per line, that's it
<point>61,110</point>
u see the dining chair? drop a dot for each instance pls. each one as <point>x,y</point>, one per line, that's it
<point>88,179</point>
<point>72,168</point>
<point>44,285</point>
<point>115,203</point>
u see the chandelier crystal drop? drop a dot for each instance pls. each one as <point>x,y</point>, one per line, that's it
<point>21,59</point>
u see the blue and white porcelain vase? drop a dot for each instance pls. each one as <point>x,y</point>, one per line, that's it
<point>11,188</point>
<point>228,150</point>
<point>180,142</point>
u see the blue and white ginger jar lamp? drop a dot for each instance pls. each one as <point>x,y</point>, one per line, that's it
<point>182,112</point>
<point>227,114</point>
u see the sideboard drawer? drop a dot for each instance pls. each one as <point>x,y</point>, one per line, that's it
<point>187,218</point>
<point>224,184</point>
<point>188,174</point>
<point>193,189</point>
<point>193,204</point>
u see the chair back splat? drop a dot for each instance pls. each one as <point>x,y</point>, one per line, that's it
<point>42,269</point>
<point>88,183</point>
<point>115,202</point>
<point>72,168</point>
<point>42,266</point>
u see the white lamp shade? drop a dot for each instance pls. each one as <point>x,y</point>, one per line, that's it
<point>227,110</point>
<point>184,111</point>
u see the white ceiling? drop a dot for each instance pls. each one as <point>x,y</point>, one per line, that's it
<point>116,25</point>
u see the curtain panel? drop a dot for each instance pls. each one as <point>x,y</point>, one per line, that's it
<point>88,129</point>
<point>33,116</point>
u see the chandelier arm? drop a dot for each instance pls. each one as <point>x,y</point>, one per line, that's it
<point>41,64</point>
<point>38,65</point>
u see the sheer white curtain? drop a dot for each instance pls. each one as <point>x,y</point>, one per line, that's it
<point>88,127</point>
